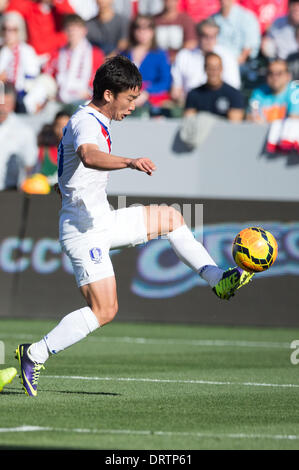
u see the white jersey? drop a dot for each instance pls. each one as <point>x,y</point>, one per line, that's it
<point>84,199</point>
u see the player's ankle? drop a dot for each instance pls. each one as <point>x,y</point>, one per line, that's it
<point>211,274</point>
<point>38,352</point>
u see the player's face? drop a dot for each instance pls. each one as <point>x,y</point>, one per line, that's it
<point>123,104</point>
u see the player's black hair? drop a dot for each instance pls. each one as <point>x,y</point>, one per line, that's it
<point>117,74</point>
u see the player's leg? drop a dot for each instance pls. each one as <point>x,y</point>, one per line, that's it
<point>135,225</point>
<point>101,308</point>
<point>164,220</point>
<point>95,278</point>
<point>101,300</point>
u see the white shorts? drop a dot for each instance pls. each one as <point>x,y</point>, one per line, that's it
<point>89,254</point>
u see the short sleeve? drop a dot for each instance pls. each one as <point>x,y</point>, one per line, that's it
<point>86,130</point>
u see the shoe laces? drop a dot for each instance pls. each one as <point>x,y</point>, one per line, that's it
<point>36,371</point>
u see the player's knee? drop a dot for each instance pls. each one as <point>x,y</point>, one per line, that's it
<point>107,314</point>
<point>176,219</point>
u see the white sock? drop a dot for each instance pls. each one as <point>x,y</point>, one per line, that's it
<point>211,274</point>
<point>193,254</point>
<point>39,352</point>
<point>71,329</point>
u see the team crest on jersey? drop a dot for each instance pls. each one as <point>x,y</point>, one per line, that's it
<point>96,255</point>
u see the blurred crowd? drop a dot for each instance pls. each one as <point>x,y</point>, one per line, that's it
<point>235,59</point>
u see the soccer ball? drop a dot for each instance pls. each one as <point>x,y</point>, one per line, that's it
<point>254,249</point>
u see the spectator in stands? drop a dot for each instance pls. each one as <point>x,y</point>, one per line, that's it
<point>215,96</point>
<point>280,41</point>
<point>43,20</point>
<point>88,9</point>
<point>75,64</point>
<point>18,60</point>
<point>239,30</point>
<point>188,70</point>
<point>199,10</point>
<point>277,99</point>
<point>174,30</point>
<point>266,11</point>
<point>48,141</point>
<point>152,62</point>
<point>293,59</point>
<point>108,30</point>
<point>18,143</point>
<point>19,65</point>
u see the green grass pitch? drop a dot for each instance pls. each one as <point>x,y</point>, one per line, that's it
<point>162,387</point>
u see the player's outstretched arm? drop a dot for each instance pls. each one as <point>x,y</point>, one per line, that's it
<point>94,158</point>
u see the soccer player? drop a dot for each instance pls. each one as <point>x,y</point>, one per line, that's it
<point>88,229</point>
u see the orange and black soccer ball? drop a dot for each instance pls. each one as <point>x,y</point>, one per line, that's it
<point>254,249</point>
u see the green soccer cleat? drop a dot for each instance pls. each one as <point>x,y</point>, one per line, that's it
<point>30,370</point>
<point>7,376</point>
<point>232,280</point>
